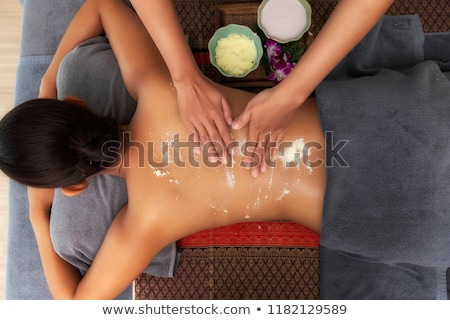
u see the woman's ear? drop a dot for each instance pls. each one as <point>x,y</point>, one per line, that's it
<point>75,189</point>
<point>75,100</point>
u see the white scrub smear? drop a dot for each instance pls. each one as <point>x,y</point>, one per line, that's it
<point>284,193</point>
<point>247,208</point>
<point>160,173</point>
<point>293,155</point>
<point>257,203</point>
<point>247,211</point>
<point>217,205</point>
<point>230,178</point>
<point>254,201</point>
<point>176,181</point>
<point>269,190</point>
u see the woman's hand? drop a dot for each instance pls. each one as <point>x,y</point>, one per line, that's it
<point>206,114</point>
<point>267,115</point>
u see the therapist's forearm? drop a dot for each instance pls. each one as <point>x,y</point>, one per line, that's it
<point>161,21</point>
<point>346,27</point>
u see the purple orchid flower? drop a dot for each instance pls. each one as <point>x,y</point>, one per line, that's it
<point>281,69</point>
<point>273,50</point>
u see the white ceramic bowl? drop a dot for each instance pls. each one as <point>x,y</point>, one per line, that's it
<point>284,20</point>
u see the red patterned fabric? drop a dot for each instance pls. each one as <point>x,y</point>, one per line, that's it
<point>254,234</point>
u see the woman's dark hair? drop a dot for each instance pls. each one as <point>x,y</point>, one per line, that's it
<point>49,143</point>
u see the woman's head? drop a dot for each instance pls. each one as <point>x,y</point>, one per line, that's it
<point>49,143</point>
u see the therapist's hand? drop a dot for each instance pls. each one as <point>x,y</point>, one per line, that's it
<point>205,113</point>
<point>267,116</point>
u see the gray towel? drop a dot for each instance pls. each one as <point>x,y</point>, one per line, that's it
<point>79,224</point>
<point>91,72</point>
<point>386,110</point>
<point>396,42</point>
<point>353,277</point>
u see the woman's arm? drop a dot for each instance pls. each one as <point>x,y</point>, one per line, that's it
<point>133,47</point>
<point>56,270</point>
<point>83,26</point>
<point>271,110</point>
<point>129,246</point>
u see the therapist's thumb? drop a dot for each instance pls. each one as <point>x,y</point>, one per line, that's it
<point>241,121</point>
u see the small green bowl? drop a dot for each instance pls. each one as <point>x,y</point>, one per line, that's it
<point>234,29</point>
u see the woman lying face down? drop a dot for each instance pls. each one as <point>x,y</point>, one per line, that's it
<point>173,190</point>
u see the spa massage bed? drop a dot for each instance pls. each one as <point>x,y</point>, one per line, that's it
<point>377,243</point>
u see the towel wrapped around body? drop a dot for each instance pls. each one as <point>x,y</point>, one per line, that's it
<point>385,111</point>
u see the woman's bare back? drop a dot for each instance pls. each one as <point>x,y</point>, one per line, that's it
<point>198,193</point>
